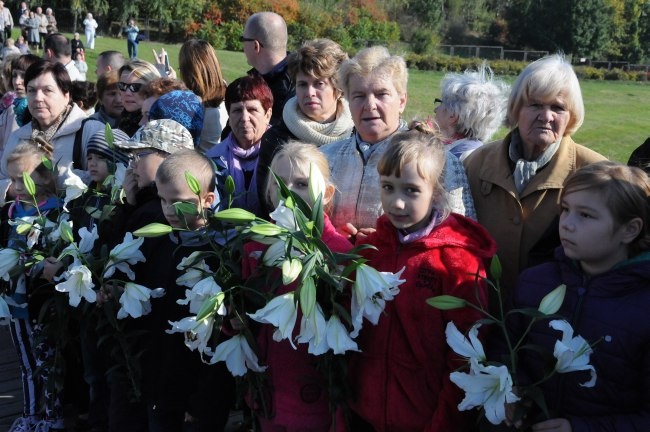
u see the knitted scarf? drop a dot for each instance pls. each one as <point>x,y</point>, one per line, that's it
<point>313,132</point>
<point>48,133</point>
<point>240,160</point>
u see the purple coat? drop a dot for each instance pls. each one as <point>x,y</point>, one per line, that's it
<point>612,307</point>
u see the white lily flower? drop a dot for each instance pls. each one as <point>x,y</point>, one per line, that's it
<point>284,217</point>
<point>197,334</point>
<point>282,313</point>
<point>486,386</point>
<point>123,254</point>
<point>74,186</point>
<point>5,315</point>
<point>8,260</point>
<point>313,331</point>
<point>200,292</point>
<point>316,185</point>
<point>238,355</point>
<point>338,337</point>
<point>195,271</point>
<point>55,234</point>
<point>275,254</point>
<point>135,300</point>
<point>87,239</point>
<point>371,290</point>
<point>470,349</point>
<point>78,283</point>
<point>572,353</point>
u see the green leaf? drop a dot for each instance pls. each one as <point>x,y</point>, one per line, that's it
<point>552,301</point>
<point>229,185</point>
<point>110,138</point>
<point>66,232</point>
<point>317,215</point>
<point>446,302</point>
<point>23,228</point>
<point>307,296</point>
<point>29,184</point>
<point>266,229</point>
<point>193,183</point>
<point>153,230</point>
<point>234,215</point>
<point>495,267</point>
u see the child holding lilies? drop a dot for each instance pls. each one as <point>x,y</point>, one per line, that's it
<point>180,391</point>
<point>604,262</point>
<point>29,293</point>
<point>299,398</point>
<point>401,374</point>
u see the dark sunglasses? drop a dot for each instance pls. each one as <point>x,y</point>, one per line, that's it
<point>245,39</point>
<point>437,102</point>
<point>133,87</point>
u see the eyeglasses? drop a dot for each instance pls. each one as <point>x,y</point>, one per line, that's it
<point>136,156</point>
<point>133,87</point>
<point>437,102</point>
<point>245,39</point>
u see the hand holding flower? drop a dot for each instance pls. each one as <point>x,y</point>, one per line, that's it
<point>553,425</point>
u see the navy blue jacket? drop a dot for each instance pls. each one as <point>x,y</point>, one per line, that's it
<point>612,307</point>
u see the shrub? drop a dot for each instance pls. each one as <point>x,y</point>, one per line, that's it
<point>231,31</point>
<point>340,35</point>
<point>424,41</point>
<point>298,33</point>
<point>616,75</point>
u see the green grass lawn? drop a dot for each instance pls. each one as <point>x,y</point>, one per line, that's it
<point>617,113</point>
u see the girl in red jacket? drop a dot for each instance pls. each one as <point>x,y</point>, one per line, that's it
<point>299,401</point>
<point>401,374</point>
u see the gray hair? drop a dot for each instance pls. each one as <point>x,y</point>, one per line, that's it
<point>269,29</point>
<point>477,99</point>
<point>545,79</point>
<point>378,61</point>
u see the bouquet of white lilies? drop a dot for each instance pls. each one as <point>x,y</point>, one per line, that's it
<point>331,291</point>
<point>491,385</point>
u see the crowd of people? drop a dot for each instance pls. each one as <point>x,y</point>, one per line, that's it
<point>435,198</point>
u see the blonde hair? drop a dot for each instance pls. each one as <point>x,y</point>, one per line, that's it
<point>543,80</point>
<point>625,191</point>
<point>426,149</point>
<point>36,149</point>
<point>297,153</point>
<point>376,61</point>
<point>141,69</point>
<point>173,168</point>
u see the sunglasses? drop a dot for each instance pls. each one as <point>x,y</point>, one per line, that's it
<point>137,156</point>
<point>437,102</point>
<point>133,87</point>
<point>245,39</point>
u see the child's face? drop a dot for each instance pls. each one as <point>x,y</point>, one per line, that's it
<point>589,233</point>
<point>294,175</point>
<point>97,168</point>
<point>407,200</point>
<point>27,164</point>
<point>145,164</point>
<point>178,191</point>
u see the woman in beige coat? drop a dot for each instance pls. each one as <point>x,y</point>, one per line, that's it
<point>516,182</point>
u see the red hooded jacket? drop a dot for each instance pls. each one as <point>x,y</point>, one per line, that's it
<point>401,375</point>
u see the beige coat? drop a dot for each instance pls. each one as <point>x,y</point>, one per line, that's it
<point>523,225</point>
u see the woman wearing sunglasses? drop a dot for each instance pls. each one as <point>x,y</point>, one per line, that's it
<point>133,76</point>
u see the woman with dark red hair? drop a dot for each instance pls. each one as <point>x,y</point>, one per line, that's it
<point>249,103</point>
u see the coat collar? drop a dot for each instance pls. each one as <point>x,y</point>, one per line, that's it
<point>497,169</point>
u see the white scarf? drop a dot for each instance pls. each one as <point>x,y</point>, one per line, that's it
<point>313,132</point>
<point>525,170</point>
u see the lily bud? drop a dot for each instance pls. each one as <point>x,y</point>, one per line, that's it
<point>316,182</point>
<point>29,184</point>
<point>230,185</point>
<point>495,267</point>
<point>291,269</point>
<point>66,232</point>
<point>266,229</point>
<point>552,301</point>
<point>234,215</point>
<point>446,302</point>
<point>193,183</point>
<point>153,230</point>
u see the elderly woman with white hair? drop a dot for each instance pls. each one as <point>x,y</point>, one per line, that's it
<point>374,84</point>
<point>516,182</point>
<point>471,108</point>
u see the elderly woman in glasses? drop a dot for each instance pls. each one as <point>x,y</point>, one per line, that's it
<point>133,76</point>
<point>249,102</point>
<point>471,109</point>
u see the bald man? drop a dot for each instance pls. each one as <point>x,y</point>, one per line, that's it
<point>265,46</point>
